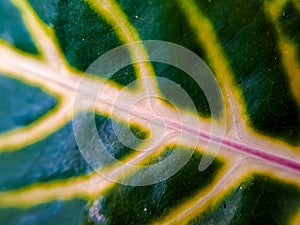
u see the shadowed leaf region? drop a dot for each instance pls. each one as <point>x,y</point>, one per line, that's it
<point>28,105</point>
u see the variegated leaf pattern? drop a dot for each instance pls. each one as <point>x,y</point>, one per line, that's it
<point>253,48</point>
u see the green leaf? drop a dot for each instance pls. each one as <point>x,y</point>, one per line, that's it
<point>51,171</point>
<point>57,212</point>
<point>32,100</point>
<point>12,28</point>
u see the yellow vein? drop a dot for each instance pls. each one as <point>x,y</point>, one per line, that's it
<point>205,34</point>
<point>290,62</point>
<point>275,7</point>
<point>211,195</point>
<point>42,35</point>
<point>88,187</point>
<point>297,4</point>
<point>287,48</point>
<point>296,219</point>
<point>16,139</point>
<point>237,115</point>
<point>85,186</point>
<point>91,186</point>
<point>241,172</point>
<point>27,68</point>
<point>114,15</point>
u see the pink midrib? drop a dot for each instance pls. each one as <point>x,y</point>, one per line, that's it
<point>285,162</point>
<point>241,148</point>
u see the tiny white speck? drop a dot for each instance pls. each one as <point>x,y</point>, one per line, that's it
<point>136,17</point>
<point>145,209</point>
<point>82,39</point>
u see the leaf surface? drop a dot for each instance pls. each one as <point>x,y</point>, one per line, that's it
<point>251,47</point>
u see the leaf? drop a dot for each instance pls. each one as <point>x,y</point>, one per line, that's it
<point>47,51</point>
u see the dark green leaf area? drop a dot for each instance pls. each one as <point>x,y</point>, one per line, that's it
<point>290,24</point>
<point>126,76</point>
<point>138,132</point>
<point>186,84</point>
<point>144,204</point>
<point>258,200</point>
<point>156,21</point>
<point>21,104</point>
<point>57,156</point>
<point>82,34</point>
<point>13,30</point>
<point>118,139</point>
<point>52,213</point>
<point>249,41</point>
<point>46,10</point>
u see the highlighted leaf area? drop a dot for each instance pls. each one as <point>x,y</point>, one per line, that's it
<point>28,104</point>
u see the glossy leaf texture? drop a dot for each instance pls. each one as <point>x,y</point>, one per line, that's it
<point>253,50</point>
